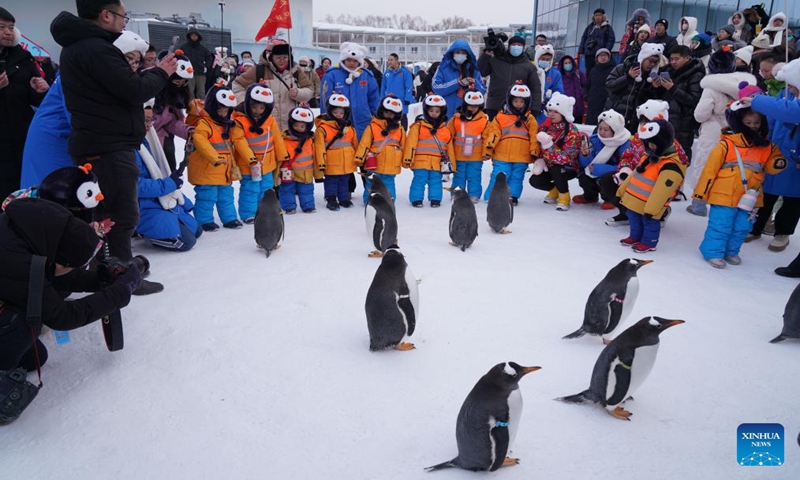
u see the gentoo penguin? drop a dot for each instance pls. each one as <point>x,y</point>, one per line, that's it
<point>268,226</point>
<point>500,211</point>
<point>791,318</point>
<point>612,300</point>
<point>463,220</point>
<point>392,303</point>
<point>624,365</point>
<point>381,223</point>
<point>376,185</point>
<point>488,420</point>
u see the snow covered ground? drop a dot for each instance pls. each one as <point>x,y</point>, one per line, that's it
<point>247,367</point>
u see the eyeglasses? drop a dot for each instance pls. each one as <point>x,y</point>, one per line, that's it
<point>125,18</point>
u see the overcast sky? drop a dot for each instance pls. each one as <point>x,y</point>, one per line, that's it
<point>508,11</point>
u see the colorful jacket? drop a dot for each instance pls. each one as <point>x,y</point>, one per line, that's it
<point>304,166</point>
<point>422,152</point>
<point>566,144</point>
<point>445,81</point>
<point>474,129</point>
<point>363,94</point>
<point>631,157</point>
<point>267,148</point>
<point>600,169</point>
<point>574,83</point>
<point>388,151</point>
<point>211,162</point>
<point>399,82</point>
<point>506,142</point>
<point>721,180</point>
<point>551,82</point>
<point>649,192</point>
<point>340,157</point>
<point>784,118</point>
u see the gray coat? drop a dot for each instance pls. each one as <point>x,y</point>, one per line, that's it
<point>505,70</point>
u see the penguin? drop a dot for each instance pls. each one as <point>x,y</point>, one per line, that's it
<point>392,304</point>
<point>463,220</point>
<point>381,223</point>
<point>623,366</point>
<point>612,300</point>
<point>376,185</point>
<point>488,420</point>
<point>268,227</point>
<point>500,211</point>
<point>791,318</point>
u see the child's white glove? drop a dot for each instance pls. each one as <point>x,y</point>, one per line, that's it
<point>545,140</point>
<point>539,166</point>
<point>623,173</point>
<point>548,94</point>
<point>588,171</point>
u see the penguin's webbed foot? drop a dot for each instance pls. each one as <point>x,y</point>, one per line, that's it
<point>621,413</point>
<point>452,244</point>
<point>510,462</point>
<point>277,247</point>
<point>403,346</point>
<point>606,341</point>
<point>505,231</point>
<point>375,254</point>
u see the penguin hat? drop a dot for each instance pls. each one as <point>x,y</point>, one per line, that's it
<point>258,95</point>
<point>791,318</point>
<point>301,115</point>
<point>612,300</point>
<point>217,97</point>
<point>623,366</point>
<point>488,420</point>
<point>434,101</point>
<point>471,98</point>
<point>518,91</point>
<point>338,100</point>
<point>391,110</point>
<point>184,70</point>
<point>75,188</point>
<point>392,304</point>
<point>657,136</point>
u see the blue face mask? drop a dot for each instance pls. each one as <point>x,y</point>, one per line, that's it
<point>543,64</point>
<point>568,67</point>
<point>515,50</point>
<point>460,58</point>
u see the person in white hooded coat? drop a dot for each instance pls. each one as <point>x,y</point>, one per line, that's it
<point>776,34</point>
<point>720,87</point>
<point>688,29</point>
<point>741,29</point>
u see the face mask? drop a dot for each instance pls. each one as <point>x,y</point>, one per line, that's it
<point>568,67</point>
<point>460,58</point>
<point>515,50</point>
<point>543,64</point>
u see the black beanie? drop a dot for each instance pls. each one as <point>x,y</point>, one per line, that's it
<point>722,61</point>
<point>6,15</point>
<point>664,22</point>
<point>78,245</point>
<point>516,39</point>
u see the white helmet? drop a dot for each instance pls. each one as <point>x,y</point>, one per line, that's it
<point>433,100</point>
<point>521,91</point>
<point>474,97</point>
<point>338,100</point>
<point>225,97</point>
<point>393,104</point>
<point>302,114</point>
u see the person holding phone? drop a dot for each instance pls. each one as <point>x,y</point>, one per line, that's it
<point>681,82</point>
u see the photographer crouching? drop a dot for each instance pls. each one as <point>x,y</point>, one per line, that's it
<point>507,67</point>
<point>31,228</point>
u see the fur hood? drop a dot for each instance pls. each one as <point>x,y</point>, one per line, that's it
<point>727,83</point>
<point>639,12</point>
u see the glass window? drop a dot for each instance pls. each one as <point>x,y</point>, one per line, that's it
<point>719,13</point>
<point>574,26</point>
<point>372,49</point>
<point>401,49</point>
<point>672,10</point>
<point>793,13</point>
<point>414,49</point>
<point>619,17</point>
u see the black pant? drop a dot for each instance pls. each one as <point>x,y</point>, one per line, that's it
<point>169,151</point>
<point>786,218</point>
<point>491,112</point>
<point>10,168</point>
<point>590,61</point>
<point>557,176</point>
<point>686,139</point>
<point>16,341</point>
<point>590,186</point>
<point>118,174</point>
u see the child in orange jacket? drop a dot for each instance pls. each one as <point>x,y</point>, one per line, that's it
<point>510,141</point>
<point>429,145</point>
<point>257,146</point>
<point>382,144</point>
<point>211,163</point>
<point>468,127</point>
<point>731,183</point>
<point>335,145</point>
<point>299,172</point>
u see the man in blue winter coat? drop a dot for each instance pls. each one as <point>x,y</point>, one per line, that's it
<point>457,73</point>
<point>398,81</point>
<point>355,82</point>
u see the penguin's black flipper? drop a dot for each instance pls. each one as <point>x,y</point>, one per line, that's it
<point>576,334</point>
<point>777,339</point>
<point>582,397</point>
<point>500,436</point>
<point>622,375</point>
<point>614,315</point>
<point>443,465</point>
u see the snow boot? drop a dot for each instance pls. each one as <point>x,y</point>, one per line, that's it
<point>563,202</point>
<point>552,196</point>
<point>147,287</point>
<point>332,204</point>
<point>233,224</point>
<point>210,227</point>
<point>582,200</point>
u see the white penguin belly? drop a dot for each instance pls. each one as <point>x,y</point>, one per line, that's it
<point>413,296</point>
<point>514,416</point>
<point>643,361</point>
<point>630,300</point>
<point>369,219</point>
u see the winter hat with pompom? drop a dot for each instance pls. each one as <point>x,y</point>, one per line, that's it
<point>722,61</point>
<point>650,50</point>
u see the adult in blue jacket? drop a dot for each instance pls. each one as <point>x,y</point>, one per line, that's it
<point>783,114</point>
<point>457,73</point>
<point>46,148</point>
<point>398,81</point>
<point>549,77</point>
<point>355,82</point>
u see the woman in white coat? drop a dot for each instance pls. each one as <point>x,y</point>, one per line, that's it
<point>720,87</point>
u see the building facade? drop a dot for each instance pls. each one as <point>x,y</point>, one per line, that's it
<point>563,21</point>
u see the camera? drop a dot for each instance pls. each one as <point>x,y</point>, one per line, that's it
<point>495,42</point>
<point>16,393</point>
<point>108,270</point>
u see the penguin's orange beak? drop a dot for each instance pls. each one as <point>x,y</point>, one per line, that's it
<point>642,263</point>
<point>672,323</point>
<point>528,370</point>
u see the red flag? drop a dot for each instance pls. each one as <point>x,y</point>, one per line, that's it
<point>279,17</point>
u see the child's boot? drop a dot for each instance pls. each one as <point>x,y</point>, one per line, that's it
<point>332,203</point>
<point>552,196</point>
<point>563,202</point>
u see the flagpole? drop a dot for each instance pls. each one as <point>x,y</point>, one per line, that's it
<point>222,24</point>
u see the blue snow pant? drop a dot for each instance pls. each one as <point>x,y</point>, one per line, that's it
<point>644,230</point>
<point>468,177</point>
<point>183,243</point>
<point>251,193</point>
<point>515,174</point>
<point>303,190</point>
<point>338,186</point>
<point>388,180</point>
<point>726,231</point>
<point>206,196</point>
<point>431,178</point>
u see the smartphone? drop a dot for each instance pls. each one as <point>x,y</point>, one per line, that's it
<point>2,66</point>
<point>174,44</point>
<point>635,65</point>
<point>665,75</point>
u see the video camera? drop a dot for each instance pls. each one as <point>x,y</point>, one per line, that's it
<point>108,270</point>
<point>495,42</point>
